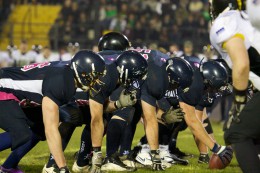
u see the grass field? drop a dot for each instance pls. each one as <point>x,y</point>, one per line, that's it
<point>33,162</point>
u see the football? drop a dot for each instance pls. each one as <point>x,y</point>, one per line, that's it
<point>216,163</point>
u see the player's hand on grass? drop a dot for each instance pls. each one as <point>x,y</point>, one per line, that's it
<point>173,115</point>
<point>96,162</point>
<point>156,161</point>
<point>126,99</point>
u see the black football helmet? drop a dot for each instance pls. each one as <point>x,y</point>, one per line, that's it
<point>180,73</point>
<point>132,67</point>
<point>215,74</point>
<point>88,67</point>
<point>218,6</point>
<point>113,41</point>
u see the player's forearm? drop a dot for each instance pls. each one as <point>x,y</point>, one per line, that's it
<point>54,142</point>
<point>151,125</point>
<point>97,125</point>
<point>51,124</point>
<point>151,129</point>
<point>196,126</point>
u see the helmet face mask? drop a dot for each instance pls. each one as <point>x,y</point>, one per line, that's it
<point>88,67</point>
<point>132,68</point>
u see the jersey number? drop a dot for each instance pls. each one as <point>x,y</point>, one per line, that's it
<point>35,65</point>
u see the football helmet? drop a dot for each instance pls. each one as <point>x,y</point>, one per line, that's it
<point>88,67</point>
<point>132,67</point>
<point>218,6</point>
<point>113,41</point>
<point>214,74</point>
<point>180,73</point>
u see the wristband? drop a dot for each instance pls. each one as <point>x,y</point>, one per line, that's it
<point>240,96</point>
<point>215,148</point>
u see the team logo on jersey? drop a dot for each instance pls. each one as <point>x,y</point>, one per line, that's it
<point>35,65</point>
<point>220,30</point>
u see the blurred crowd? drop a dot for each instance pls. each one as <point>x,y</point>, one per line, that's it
<point>160,22</point>
<point>144,22</point>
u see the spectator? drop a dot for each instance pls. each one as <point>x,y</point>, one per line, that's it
<point>175,50</point>
<point>22,56</point>
<point>188,48</point>
<point>46,55</point>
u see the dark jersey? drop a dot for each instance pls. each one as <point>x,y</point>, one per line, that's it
<point>170,98</point>
<point>32,82</point>
<point>110,79</point>
<point>156,83</point>
<point>198,95</point>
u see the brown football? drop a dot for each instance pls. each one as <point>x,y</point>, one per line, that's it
<point>216,163</point>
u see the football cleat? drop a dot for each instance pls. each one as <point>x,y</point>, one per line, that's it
<point>165,154</point>
<point>11,170</point>
<point>144,157</point>
<point>48,170</point>
<point>204,158</point>
<point>178,160</point>
<point>177,152</point>
<point>80,169</point>
<point>113,163</point>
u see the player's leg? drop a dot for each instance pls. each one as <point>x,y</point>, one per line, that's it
<point>242,134</point>
<point>83,156</point>
<point>115,131</point>
<point>11,163</point>
<point>14,120</point>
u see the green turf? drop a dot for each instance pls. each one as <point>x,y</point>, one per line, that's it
<point>33,162</point>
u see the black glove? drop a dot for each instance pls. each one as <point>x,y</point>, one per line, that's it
<point>156,161</point>
<point>173,116</point>
<point>225,153</point>
<point>240,98</point>
<point>126,99</point>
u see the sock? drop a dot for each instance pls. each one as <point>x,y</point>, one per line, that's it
<point>126,141</point>
<point>66,131</point>
<point>115,130</point>
<point>246,154</point>
<point>144,140</point>
<point>85,147</point>
<point>6,141</point>
<point>17,154</point>
<point>164,134</point>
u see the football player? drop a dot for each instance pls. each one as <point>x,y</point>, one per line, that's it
<point>34,85</point>
<point>238,43</point>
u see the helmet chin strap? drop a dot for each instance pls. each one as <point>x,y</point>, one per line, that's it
<point>83,87</point>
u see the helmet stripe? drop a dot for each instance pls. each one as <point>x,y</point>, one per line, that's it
<point>126,74</point>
